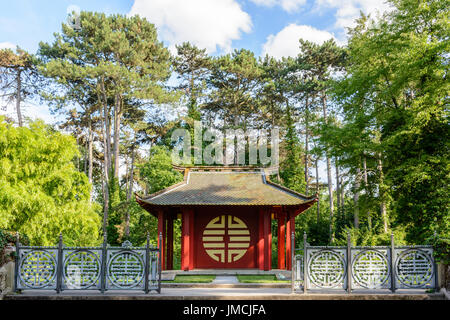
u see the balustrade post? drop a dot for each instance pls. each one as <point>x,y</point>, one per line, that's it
<point>160,262</point>
<point>147,263</point>
<point>103,266</point>
<point>349,263</point>
<point>59,263</point>
<point>305,257</point>
<point>435,267</point>
<point>16,266</point>
<point>392,264</point>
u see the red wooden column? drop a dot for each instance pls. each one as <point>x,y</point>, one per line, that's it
<point>281,218</point>
<point>260,244</point>
<point>162,230</point>
<point>191,239</point>
<point>187,239</point>
<point>290,227</point>
<point>267,241</point>
<point>169,242</point>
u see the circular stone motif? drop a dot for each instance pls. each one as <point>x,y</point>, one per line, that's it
<point>81,269</point>
<point>126,269</point>
<point>326,269</point>
<point>370,269</point>
<point>414,268</point>
<point>226,238</point>
<point>37,269</point>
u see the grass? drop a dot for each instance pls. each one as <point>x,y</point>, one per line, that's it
<point>191,279</point>
<point>260,279</point>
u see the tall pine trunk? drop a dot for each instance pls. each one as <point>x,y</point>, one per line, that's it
<point>338,188</point>
<point>317,189</point>
<point>366,188</point>
<point>19,97</point>
<point>330,180</point>
<point>90,157</point>
<point>306,143</point>
<point>356,197</point>
<point>382,194</point>
<point>117,118</point>
<point>130,188</point>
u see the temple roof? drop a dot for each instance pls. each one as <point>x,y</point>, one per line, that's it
<point>247,188</point>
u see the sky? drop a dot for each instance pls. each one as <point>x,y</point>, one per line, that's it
<point>270,27</point>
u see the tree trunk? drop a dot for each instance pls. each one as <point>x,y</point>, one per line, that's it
<point>19,97</point>
<point>330,181</point>
<point>105,182</point>
<point>382,195</point>
<point>107,133</point>
<point>317,189</point>
<point>356,197</point>
<point>90,157</point>
<point>338,189</point>
<point>117,116</point>
<point>366,188</point>
<point>130,189</point>
<point>306,144</point>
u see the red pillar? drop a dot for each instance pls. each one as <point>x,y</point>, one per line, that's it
<point>161,230</point>
<point>187,239</point>
<point>267,241</point>
<point>191,239</point>
<point>290,227</point>
<point>260,244</point>
<point>281,217</point>
<point>169,242</point>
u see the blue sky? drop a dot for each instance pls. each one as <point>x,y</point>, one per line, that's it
<point>263,26</point>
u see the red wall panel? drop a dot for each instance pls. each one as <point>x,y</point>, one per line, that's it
<point>225,238</point>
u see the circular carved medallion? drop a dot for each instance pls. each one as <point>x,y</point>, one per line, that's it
<point>37,269</point>
<point>414,268</point>
<point>226,239</point>
<point>326,269</point>
<point>126,269</point>
<point>81,269</point>
<point>370,269</point>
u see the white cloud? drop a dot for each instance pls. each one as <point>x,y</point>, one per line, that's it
<point>7,45</point>
<point>287,5</point>
<point>349,10</point>
<point>73,8</point>
<point>205,23</point>
<point>286,42</point>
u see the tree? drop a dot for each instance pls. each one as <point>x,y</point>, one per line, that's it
<point>42,192</point>
<point>401,88</point>
<point>233,80</point>
<point>120,59</point>
<point>157,172</point>
<point>192,66</point>
<point>319,62</point>
<point>18,76</point>
<point>291,168</point>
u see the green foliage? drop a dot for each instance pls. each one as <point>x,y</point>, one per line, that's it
<point>394,99</point>
<point>365,237</point>
<point>292,168</point>
<point>42,193</point>
<point>157,172</point>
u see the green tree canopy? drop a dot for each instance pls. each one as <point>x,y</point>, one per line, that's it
<point>42,192</point>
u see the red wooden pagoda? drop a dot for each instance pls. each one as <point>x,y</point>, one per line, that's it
<point>226,218</point>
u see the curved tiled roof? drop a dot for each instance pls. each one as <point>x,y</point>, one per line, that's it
<point>226,188</point>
